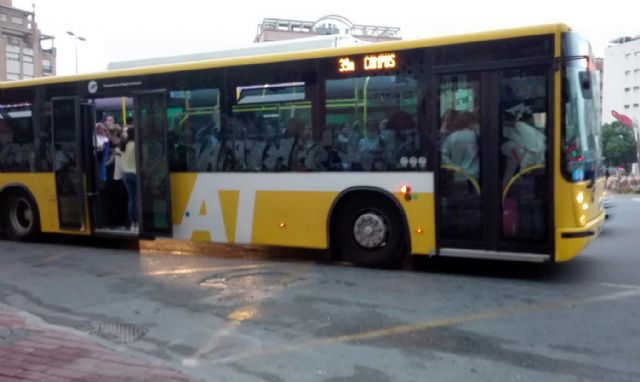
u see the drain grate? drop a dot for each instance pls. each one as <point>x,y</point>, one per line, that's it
<point>121,333</point>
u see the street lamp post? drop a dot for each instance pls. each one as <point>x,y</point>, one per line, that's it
<point>76,39</point>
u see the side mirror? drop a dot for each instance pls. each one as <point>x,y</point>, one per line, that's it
<point>585,84</point>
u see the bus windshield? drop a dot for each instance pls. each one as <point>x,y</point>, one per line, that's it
<point>582,151</point>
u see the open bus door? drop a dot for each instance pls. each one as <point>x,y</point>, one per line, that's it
<point>152,163</point>
<point>68,117</point>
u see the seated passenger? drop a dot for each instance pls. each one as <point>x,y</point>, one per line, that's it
<point>388,141</point>
<point>405,142</point>
<point>249,153</point>
<point>347,142</point>
<point>369,147</point>
<point>279,154</point>
<point>371,141</point>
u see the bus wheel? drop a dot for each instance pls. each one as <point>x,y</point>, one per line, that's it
<point>20,216</point>
<point>370,232</point>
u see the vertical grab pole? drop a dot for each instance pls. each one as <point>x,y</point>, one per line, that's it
<point>123,103</point>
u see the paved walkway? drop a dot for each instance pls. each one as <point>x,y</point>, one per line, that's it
<point>33,351</point>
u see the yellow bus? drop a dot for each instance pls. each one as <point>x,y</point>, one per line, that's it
<point>484,145</point>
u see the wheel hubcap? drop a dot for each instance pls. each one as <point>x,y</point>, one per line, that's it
<point>21,216</point>
<point>370,230</point>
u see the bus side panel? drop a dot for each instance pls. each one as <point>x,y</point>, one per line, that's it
<point>419,209</point>
<point>292,218</point>
<point>42,187</point>
<point>288,209</point>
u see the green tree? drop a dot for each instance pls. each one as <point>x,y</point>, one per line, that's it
<point>619,145</point>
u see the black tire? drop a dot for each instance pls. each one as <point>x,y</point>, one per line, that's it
<point>378,249</point>
<point>20,216</point>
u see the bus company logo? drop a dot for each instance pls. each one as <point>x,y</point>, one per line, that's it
<point>92,87</point>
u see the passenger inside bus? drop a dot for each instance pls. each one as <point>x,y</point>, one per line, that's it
<point>16,142</point>
<point>128,149</point>
<point>206,147</point>
<point>112,195</point>
<point>369,148</point>
<point>524,144</point>
<point>406,143</point>
<point>347,140</point>
<point>460,145</point>
<point>523,151</point>
<point>387,141</point>
<point>101,136</point>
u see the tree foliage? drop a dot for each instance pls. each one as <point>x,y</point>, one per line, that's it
<point>619,145</point>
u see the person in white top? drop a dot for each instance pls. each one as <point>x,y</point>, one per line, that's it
<point>524,144</point>
<point>128,164</point>
<point>101,136</point>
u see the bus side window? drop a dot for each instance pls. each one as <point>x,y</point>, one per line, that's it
<point>272,128</point>
<point>372,122</point>
<point>194,129</point>
<point>17,138</point>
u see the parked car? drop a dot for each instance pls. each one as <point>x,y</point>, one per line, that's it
<point>615,171</point>
<point>608,204</point>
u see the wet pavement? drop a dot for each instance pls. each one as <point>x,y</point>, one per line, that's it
<point>31,350</point>
<point>256,314</point>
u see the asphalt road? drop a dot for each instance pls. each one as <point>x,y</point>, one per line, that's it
<point>281,315</point>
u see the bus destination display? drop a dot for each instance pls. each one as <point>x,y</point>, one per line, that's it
<point>370,62</point>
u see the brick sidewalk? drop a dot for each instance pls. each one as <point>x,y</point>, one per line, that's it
<point>32,351</point>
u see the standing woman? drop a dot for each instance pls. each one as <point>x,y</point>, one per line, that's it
<point>128,161</point>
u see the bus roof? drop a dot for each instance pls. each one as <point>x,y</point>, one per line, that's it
<point>263,48</point>
<point>300,55</point>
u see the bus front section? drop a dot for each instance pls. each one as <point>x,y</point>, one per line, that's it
<point>579,180</point>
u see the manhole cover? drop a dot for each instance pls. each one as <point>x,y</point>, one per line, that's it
<point>118,332</point>
<point>247,279</point>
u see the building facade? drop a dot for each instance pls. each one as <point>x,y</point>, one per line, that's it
<point>24,51</point>
<point>621,90</point>
<point>285,29</point>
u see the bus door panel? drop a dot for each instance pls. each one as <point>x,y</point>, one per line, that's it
<point>89,147</point>
<point>460,176</point>
<point>68,164</point>
<point>524,186</point>
<point>152,163</point>
<point>493,178</point>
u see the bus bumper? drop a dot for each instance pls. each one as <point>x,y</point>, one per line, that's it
<point>570,241</point>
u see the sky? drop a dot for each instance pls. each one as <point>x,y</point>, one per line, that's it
<point>120,30</point>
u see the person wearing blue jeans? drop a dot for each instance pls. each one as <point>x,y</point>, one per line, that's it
<point>128,161</point>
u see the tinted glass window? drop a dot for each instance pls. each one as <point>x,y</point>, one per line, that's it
<point>524,119</point>
<point>372,124</point>
<point>508,49</point>
<point>66,164</point>
<point>193,118</point>
<point>269,129</point>
<point>582,146</point>
<point>152,165</point>
<point>43,149</point>
<point>17,152</point>
<point>374,115</point>
<point>460,176</point>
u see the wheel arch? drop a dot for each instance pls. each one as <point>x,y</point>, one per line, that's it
<point>374,191</point>
<point>10,188</point>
